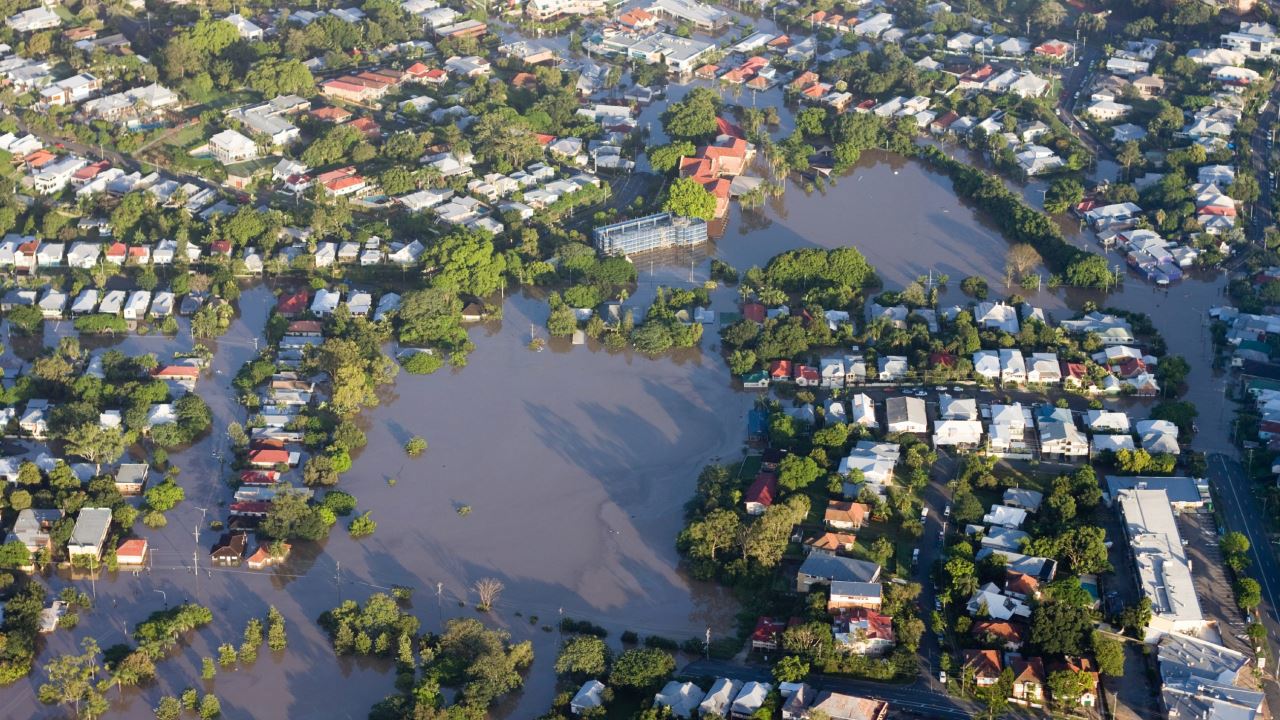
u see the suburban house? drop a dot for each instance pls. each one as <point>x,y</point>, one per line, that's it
<point>89,533</point>
<point>905,414</point>
<point>847,594</point>
<point>131,478</point>
<point>230,549</point>
<point>845,515</point>
<point>1028,681</point>
<point>760,495</point>
<point>819,569</point>
<point>132,553</point>
<point>985,664</point>
<point>863,631</point>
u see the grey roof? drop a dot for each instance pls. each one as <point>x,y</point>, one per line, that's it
<point>1023,498</point>
<point>861,589</point>
<point>1179,489</point>
<point>1183,657</point>
<point>838,569</point>
<point>91,526</point>
<point>132,473</point>
<point>1042,569</point>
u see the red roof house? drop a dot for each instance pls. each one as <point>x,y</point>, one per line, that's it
<point>761,493</point>
<point>292,303</point>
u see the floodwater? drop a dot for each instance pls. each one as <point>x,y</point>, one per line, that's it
<point>574,463</point>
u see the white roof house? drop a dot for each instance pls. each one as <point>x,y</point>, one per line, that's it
<point>996,316</point>
<point>325,302</point>
<point>1044,368</point>
<point>893,367</point>
<point>1107,421</point>
<point>864,410</point>
<point>905,414</point>
<point>720,697</point>
<point>957,432</point>
<point>1013,367</point>
<point>230,147</point>
<point>247,30</point>
<point>588,697</point>
<point>682,698</point>
<point>1005,516</point>
<point>986,364</point>
<point>952,408</point>
<point>750,699</point>
<point>997,605</point>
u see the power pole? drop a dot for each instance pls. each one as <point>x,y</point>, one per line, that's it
<point>337,579</point>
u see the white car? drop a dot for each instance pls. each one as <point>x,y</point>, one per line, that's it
<point>942,676</point>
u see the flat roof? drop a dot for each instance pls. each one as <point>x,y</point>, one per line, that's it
<point>1180,489</point>
<point>1164,573</point>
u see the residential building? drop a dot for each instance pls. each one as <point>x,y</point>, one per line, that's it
<point>820,569</point>
<point>681,698</point>
<point>985,664</point>
<point>89,533</point>
<point>230,147</point>
<point>649,233</point>
<point>1029,681</point>
<point>706,18</point>
<point>846,595</point>
<point>845,515</point>
<point>839,706</point>
<point>863,631</point>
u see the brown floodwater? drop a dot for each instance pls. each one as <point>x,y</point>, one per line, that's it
<point>574,461</point>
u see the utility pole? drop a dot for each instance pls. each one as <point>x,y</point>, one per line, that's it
<point>337,579</point>
<point>195,552</point>
<point>708,644</point>
<point>439,602</point>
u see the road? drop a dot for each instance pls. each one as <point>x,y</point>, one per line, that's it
<point>917,698</point>
<point>1243,513</point>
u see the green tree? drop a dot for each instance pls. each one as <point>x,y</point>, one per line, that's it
<point>415,446</point>
<point>1063,194</point>
<point>96,443</point>
<point>583,656</point>
<point>1248,593</point>
<point>790,669</point>
<point>694,117</point>
<point>687,197</point>
<point>164,496</point>
<point>1109,653</point>
<point>362,525</point>
<point>1066,687</point>
<point>276,637</point>
<point>1061,629</point>
<point>797,472</point>
<point>641,669</point>
<point>665,158</point>
<point>73,681</point>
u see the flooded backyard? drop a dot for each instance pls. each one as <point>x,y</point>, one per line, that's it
<point>575,463</point>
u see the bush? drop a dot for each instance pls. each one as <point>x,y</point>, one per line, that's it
<point>363,525</point>
<point>339,502</point>
<point>422,363</point>
<point>415,447</point>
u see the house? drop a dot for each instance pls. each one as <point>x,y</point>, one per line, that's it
<point>1028,500</point>
<point>1028,681</point>
<point>749,700</point>
<point>230,549</point>
<point>767,635</point>
<point>1005,516</point>
<point>89,533</point>
<point>985,664</point>
<point>681,698</point>
<point>262,558</point>
<point>1003,538</point>
<point>1044,369</point>
<point>720,697</point>
<point>588,697</point>
<point>996,604</point>
<point>863,631</point>
<point>905,414</point>
<point>845,515</point>
<point>1013,367</point>
<point>1062,440</point>
<point>820,569</point>
<point>957,433</point>
<point>1010,636</point>
<point>1085,666</point>
<point>230,147</point>
<point>846,595</point>
<point>952,408</point>
<point>32,526</point>
<point>838,706</point>
<point>830,543</point>
<point>760,495</point>
<point>864,411</point>
<point>182,377</point>
<point>1106,421</point>
<point>247,30</point>
<point>131,478</point>
<point>132,553</point>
